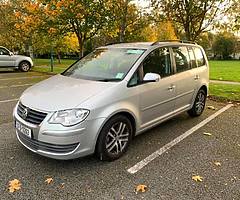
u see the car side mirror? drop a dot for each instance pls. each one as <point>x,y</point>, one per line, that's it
<point>151,77</point>
<point>10,53</point>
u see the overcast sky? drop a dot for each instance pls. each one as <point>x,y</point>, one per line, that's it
<point>142,3</point>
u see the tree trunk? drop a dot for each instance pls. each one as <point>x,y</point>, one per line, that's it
<point>59,57</point>
<point>80,49</point>
<point>80,43</point>
<point>123,21</point>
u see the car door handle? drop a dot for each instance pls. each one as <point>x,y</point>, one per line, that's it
<point>171,88</point>
<point>196,77</point>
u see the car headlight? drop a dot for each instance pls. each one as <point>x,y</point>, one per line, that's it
<point>69,117</point>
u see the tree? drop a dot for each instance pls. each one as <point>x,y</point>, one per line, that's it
<point>159,31</point>
<point>192,16</point>
<point>125,24</point>
<point>84,18</point>
<point>224,45</point>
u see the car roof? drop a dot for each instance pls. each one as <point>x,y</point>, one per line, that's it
<point>147,45</point>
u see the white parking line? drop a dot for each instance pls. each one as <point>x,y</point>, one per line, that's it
<point>14,86</point>
<point>26,77</point>
<point>166,147</point>
<point>9,100</point>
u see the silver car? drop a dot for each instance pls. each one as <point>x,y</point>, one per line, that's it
<point>113,94</point>
<point>9,60</point>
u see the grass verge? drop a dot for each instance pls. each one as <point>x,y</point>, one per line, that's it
<point>225,92</point>
<point>44,65</point>
<point>225,70</point>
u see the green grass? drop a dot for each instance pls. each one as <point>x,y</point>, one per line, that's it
<point>44,65</point>
<point>225,91</point>
<point>225,70</point>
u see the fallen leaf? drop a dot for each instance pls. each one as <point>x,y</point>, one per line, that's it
<point>62,185</point>
<point>211,107</point>
<point>14,185</point>
<point>197,178</point>
<point>208,134</point>
<point>141,188</point>
<point>217,163</point>
<point>49,180</point>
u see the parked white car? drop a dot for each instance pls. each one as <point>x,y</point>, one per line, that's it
<point>9,60</point>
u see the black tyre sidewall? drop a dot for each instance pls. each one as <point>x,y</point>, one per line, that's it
<point>101,150</point>
<point>193,111</point>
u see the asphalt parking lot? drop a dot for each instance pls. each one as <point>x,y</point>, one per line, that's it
<point>167,176</point>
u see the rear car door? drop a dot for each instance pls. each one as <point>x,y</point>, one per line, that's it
<point>6,60</point>
<point>201,71</point>
<point>184,78</point>
<point>157,99</point>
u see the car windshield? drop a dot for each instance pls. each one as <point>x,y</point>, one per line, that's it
<point>105,64</point>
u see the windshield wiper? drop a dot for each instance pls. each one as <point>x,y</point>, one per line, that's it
<point>109,79</point>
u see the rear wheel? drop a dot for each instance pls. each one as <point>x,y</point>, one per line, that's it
<point>24,66</point>
<point>199,104</point>
<point>114,138</point>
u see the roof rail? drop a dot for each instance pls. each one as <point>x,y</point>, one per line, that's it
<point>180,41</point>
<point>111,43</point>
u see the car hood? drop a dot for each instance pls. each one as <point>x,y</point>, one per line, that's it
<point>61,92</point>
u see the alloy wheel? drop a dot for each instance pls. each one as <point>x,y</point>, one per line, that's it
<point>200,102</point>
<point>117,138</point>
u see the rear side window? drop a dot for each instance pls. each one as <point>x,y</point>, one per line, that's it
<point>158,61</point>
<point>181,58</point>
<point>193,62</point>
<point>199,57</point>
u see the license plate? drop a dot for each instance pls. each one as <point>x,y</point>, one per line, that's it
<point>23,129</point>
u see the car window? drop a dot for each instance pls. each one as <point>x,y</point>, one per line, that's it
<point>199,57</point>
<point>105,64</point>
<point>3,51</point>
<point>135,80</point>
<point>158,61</point>
<point>193,62</point>
<point>181,58</point>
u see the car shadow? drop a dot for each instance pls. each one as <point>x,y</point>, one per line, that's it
<point>5,71</point>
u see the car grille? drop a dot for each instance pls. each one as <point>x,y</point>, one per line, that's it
<point>37,145</point>
<point>33,116</point>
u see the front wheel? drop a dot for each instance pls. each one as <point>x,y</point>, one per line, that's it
<point>199,104</point>
<point>24,66</point>
<point>114,138</point>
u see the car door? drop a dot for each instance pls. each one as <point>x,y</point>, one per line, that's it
<point>6,60</point>
<point>157,99</point>
<point>184,78</point>
<point>201,71</point>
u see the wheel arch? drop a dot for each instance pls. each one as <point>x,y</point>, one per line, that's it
<point>125,113</point>
<point>204,87</point>
<point>21,61</point>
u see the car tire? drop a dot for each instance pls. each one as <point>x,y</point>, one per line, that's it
<point>114,138</point>
<point>199,104</point>
<point>24,66</point>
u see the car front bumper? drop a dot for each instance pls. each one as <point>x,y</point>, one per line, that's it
<point>59,142</point>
